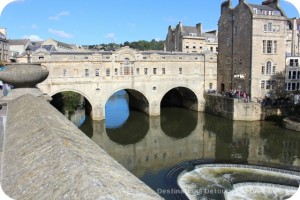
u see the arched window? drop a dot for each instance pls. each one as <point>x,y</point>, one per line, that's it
<point>269,68</point>
<point>127,67</point>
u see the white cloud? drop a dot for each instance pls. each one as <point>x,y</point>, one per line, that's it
<point>33,37</point>
<point>60,33</point>
<point>59,15</point>
<point>111,36</point>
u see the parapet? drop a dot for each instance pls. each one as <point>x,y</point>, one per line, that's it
<point>45,156</point>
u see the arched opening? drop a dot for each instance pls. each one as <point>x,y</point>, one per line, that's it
<point>73,105</point>
<point>125,119</point>
<point>177,117</point>
<point>180,97</point>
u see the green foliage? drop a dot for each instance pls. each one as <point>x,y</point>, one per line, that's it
<point>141,45</point>
<point>66,101</point>
<point>71,100</point>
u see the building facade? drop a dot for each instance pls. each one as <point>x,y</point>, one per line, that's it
<point>252,47</point>
<point>18,47</point>
<point>190,39</point>
<point>4,46</point>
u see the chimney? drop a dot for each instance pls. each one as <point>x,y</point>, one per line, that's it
<point>199,27</point>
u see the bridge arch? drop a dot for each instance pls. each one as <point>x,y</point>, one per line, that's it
<point>137,99</point>
<point>89,109</point>
<point>180,96</point>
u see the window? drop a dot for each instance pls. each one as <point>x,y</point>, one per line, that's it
<point>293,86</point>
<point>268,86</point>
<point>126,70</point>
<point>269,46</point>
<point>116,71</point>
<point>294,63</point>
<point>86,73</point>
<point>288,86</point>
<point>145,71</point>
<point>210,86</point>
<point>294,75</point>
<point>265,27</point>
<point>264,46</point>
<point>262,85</point>
<point>194,47</point>
<point>97,72</point>
<point>154,71</point>
<point>211,49</point>
<point>274,70</point>
<point>217,49</point>
<point>180,70</point>
<point>65,72</point>
<point>269,66</point>
<point>290,75</point>
<point>262,69</point>
<point>107,72</point>
<point>137,71</point>
<point>269,26</point>
<point>275,46</point>
<point>298,75</point>
<point>187,47</point>
<point>163,70</point>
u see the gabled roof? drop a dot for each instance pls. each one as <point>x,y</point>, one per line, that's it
<point>186,30</point>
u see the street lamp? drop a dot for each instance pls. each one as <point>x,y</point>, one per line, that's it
<point>28,51</point>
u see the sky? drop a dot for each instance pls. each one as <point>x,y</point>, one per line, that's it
<point>87,22</point>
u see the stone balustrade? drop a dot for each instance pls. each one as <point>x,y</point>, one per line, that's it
<point>45,156</point>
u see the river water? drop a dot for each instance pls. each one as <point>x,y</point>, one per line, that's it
<point>150,146</point>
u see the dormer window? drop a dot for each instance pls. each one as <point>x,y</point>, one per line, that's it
<point>192,34</point>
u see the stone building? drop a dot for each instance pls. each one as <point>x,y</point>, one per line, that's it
<point>3,46</point>
<point>252,47</point>
<point>190,39</point>
<point>18,47</point>
<point>292,75</point>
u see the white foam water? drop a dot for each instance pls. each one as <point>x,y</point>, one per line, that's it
<point>259,191</point>
<point>216,180</point>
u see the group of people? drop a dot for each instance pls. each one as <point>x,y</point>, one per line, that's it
<point>239,94</point>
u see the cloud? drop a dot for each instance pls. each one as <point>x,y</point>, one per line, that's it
<point>59,15</point>
<point>33,37</point>
<point>60,33</point>
<point>111,36</point>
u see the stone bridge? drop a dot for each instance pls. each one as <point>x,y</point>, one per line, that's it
<point>150,78</point>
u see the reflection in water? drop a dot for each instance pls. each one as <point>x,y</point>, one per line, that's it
<point>130,132</point>
<point>117,110</point>
<point>202,136</point>
<point>178,122</point>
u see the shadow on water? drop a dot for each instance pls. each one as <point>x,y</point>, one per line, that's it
<point>178,123</point>
<point>133,130</point>
<point>87,127</point>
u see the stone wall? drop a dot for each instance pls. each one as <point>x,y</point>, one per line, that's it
<point>292,123</point>
<point>45,156</point>
<point>234,109</point>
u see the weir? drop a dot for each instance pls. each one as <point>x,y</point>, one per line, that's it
<point>225,179</point>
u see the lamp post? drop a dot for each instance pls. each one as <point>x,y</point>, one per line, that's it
<point>28,51</point>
